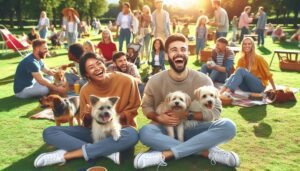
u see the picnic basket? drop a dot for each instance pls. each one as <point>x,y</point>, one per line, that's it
<point>290,63</point>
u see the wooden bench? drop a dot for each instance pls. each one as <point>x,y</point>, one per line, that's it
<point>288,59</point>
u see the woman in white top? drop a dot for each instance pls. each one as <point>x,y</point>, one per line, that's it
<point>43,25</point>
<point>125,21</point>
<point>158,56</point>
<point>71,21</point>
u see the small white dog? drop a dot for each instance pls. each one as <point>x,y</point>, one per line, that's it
<point>105,120</point>
<point>177,102</point>
<point>208,102</point>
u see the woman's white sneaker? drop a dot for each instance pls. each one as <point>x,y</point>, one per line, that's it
<point>228,158</point>
<point>115,157</point>
<point>151,158</point>
<point>51,158</point>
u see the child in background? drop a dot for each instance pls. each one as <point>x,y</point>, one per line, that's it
<point>88,46</point>
<point>270,29</point>
<point>234,23</point>
<point>278,34</point>
<point>158,56</point>
<point>185,30</point>
<point>201,34</point>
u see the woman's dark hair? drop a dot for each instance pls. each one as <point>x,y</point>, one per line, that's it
<point>76,50</point>
<point>84,58</point>
<point>162,47</point>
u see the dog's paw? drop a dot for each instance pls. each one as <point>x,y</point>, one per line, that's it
<point>116,137</point>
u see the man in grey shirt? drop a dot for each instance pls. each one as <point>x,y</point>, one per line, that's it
<point>160,21</point>
<point>201,139</point>
<point>260,26</point>
<point>221,19</point>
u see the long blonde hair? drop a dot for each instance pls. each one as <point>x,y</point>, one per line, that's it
<point>200,19</point>
<point>110,35</point>
<point>251,55</point>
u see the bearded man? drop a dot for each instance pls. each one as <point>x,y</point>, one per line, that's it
<point>199,140</point>
<point>29,81</point>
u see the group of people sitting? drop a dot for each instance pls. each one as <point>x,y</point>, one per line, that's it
<point>122,79</point>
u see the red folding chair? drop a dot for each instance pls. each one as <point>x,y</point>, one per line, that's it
<point>13,43</point>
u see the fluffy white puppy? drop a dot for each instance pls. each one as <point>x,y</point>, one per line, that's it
<point>177,102</point>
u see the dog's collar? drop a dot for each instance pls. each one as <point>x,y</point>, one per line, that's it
<point>102,123</point>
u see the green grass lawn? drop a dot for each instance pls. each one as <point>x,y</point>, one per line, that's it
<point>268,137</point>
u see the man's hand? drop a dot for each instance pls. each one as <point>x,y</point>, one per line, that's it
<point>168,119</point>
<point>51,72</point>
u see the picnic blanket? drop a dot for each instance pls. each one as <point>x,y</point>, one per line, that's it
<point>240,98</point>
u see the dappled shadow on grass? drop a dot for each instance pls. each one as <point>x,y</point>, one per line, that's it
<point>254,114</point>
<point>286,105</point>
<point>7,80</point>
<point>288,45</point>
<point>12,102</point>
<point>32,112</point>
<point>9,55</point>
<point>262,130</point>
<point>264,50</point>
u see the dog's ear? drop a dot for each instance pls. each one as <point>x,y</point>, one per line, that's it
<point>94,99</point>
<point>188,99</point>
<point>217,92</point>
<point>56,101</point>
<point>114,100</point>
<point>197,93</point>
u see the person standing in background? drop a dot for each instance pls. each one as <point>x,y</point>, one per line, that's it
<point>221,19</point>
<point>71,21</point>
<point>145,30</point>
<point>244,22</point>
<point>260,26</point>
<point>234,23</point>
<point>201,34</point>
<point>161,21</point>
<point>43,25</point>
<point>125,21</point>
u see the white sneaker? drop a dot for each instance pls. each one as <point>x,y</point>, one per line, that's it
<point>152,158</point>
<point>115,157</point>
<point>52,158</point>
<point>228,158</point>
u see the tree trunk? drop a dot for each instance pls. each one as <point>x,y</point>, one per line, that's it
<point>11,18</point>
<point>54,16</point>
<point>19,15</point>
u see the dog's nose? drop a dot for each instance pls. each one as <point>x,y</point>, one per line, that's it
<point>209,102</point>
<point>176,103</point>
<point>106,114</point>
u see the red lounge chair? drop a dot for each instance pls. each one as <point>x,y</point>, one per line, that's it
<point>12,42</point>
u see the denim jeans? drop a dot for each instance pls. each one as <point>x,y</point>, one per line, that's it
<point>124,34</point>
<point>216,76</point>
<point>145,47</point>
<point>245,81</point>
<point>200,44</point>
<point>197,139</point>
<point>244,31</point>
<point>43,33</point>
<point>36,90</point>
<point>72,138</point>
<point>261,38</point>
<point>221,34</point>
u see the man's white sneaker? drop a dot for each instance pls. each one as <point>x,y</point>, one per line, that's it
<point>228,158</point>
<point>115,157</point>
<point>152,158</point>
<point>52,158</point>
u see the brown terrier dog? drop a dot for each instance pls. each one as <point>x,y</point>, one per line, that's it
<point>60,81</point>
<point>64,109</point>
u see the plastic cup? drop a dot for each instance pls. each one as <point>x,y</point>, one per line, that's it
<point>76,88</point>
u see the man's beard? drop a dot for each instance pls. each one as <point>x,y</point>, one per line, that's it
<point>42,55</point>
<point>120,69</point>
<point>173,65</point>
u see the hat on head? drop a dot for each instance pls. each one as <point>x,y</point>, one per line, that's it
<point>66,10</point>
